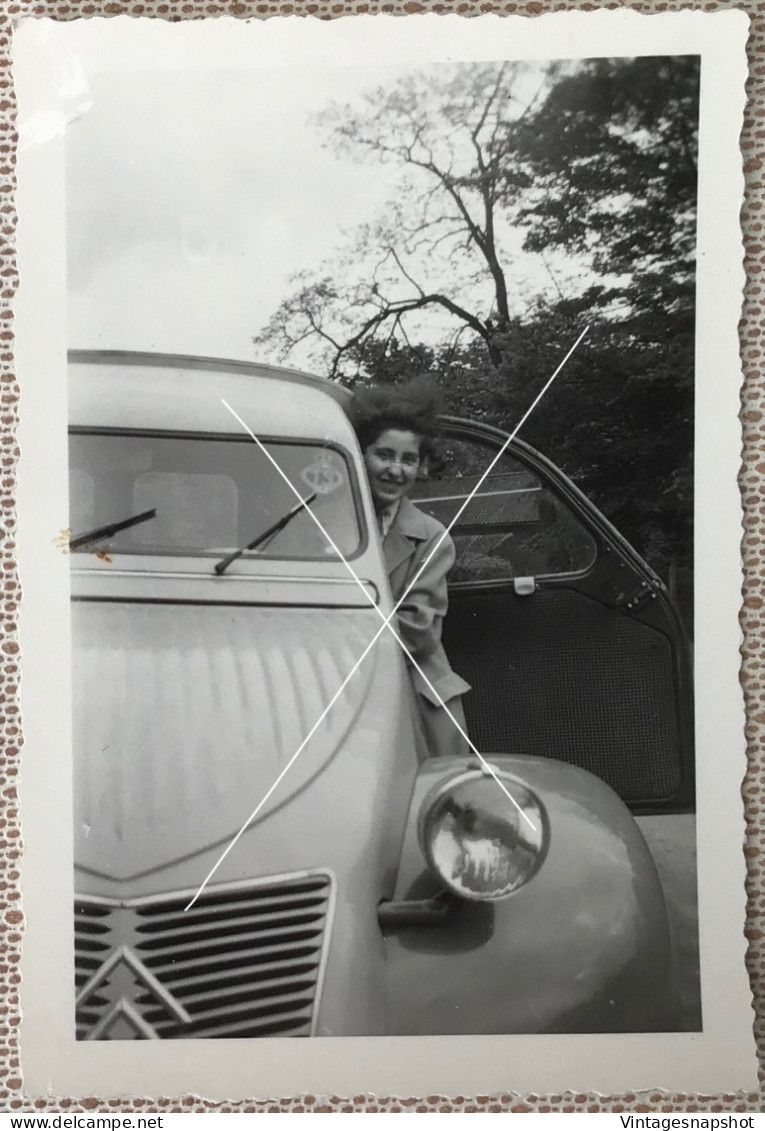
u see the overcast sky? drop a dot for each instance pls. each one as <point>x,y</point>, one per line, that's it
<point>193,196</point>
<point>191,201</point>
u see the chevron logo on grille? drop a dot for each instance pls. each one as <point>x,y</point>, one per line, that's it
<point>146,970</point>
<point>123,1009</point>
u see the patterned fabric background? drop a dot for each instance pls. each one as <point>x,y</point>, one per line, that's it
<point>753,490</point>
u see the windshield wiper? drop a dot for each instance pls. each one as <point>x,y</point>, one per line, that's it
<point>110,528</point>
<point>224,563</point>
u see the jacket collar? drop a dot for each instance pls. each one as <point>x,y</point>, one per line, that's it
<point>408,528</point>
<point>410,521</point>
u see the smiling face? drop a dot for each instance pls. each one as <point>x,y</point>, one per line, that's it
<point>392,462</point>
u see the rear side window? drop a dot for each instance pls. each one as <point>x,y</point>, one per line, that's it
<point>211,494</point>
<point>514,525</point>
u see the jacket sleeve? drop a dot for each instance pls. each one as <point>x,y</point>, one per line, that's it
<point>422,611</point>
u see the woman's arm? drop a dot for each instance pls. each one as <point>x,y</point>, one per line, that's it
<point>422,611</point>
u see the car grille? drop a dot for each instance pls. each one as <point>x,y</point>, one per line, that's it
<point>244,961</point>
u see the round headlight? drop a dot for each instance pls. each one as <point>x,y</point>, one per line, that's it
<point>480,843</point>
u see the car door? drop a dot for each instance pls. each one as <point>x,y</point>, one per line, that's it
<point>571,643</point>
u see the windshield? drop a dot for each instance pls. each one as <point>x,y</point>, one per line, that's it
<point>212,495</point>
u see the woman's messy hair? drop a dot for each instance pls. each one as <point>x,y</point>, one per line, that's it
<point>413,407</point>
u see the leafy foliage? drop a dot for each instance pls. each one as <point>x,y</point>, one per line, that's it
<point>443,241</point>
<point>589,167</point>
<point>613,152</point>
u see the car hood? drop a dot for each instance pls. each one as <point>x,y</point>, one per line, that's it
<point>185,715</point>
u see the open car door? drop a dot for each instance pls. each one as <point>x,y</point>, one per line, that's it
<point>571,643</point>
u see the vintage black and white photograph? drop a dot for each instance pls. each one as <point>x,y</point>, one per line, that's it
<point>381,396</point>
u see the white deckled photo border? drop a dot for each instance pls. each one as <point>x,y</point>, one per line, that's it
<point>719,1058</point>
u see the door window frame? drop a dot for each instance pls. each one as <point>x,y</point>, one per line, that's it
<point>602,531</point>
<point>653,606</point>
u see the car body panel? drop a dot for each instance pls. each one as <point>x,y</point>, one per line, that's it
<point>579,948</point>
<point>194,692</point>
<point>247,683</point>
<point>188,398</point>
<point>356,840</point>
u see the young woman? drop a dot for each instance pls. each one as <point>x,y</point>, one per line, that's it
<point>395,428</point>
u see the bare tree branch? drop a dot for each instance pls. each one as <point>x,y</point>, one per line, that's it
<point>448,141</point>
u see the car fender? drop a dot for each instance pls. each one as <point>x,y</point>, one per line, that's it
<point>584,946</point>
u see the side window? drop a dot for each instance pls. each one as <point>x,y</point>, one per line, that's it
<point>514,526</point>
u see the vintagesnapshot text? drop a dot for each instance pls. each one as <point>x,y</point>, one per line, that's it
<point>682,1122</point>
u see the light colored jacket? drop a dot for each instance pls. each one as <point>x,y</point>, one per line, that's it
<point>408,543</point>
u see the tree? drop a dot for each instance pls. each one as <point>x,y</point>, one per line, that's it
<point>613,153</point>
<point>586,169</point>
<point>443,242</point>
<point>589,165</point>
<point>614,150</point>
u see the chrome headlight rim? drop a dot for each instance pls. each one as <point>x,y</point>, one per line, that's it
<point>533,805</point>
